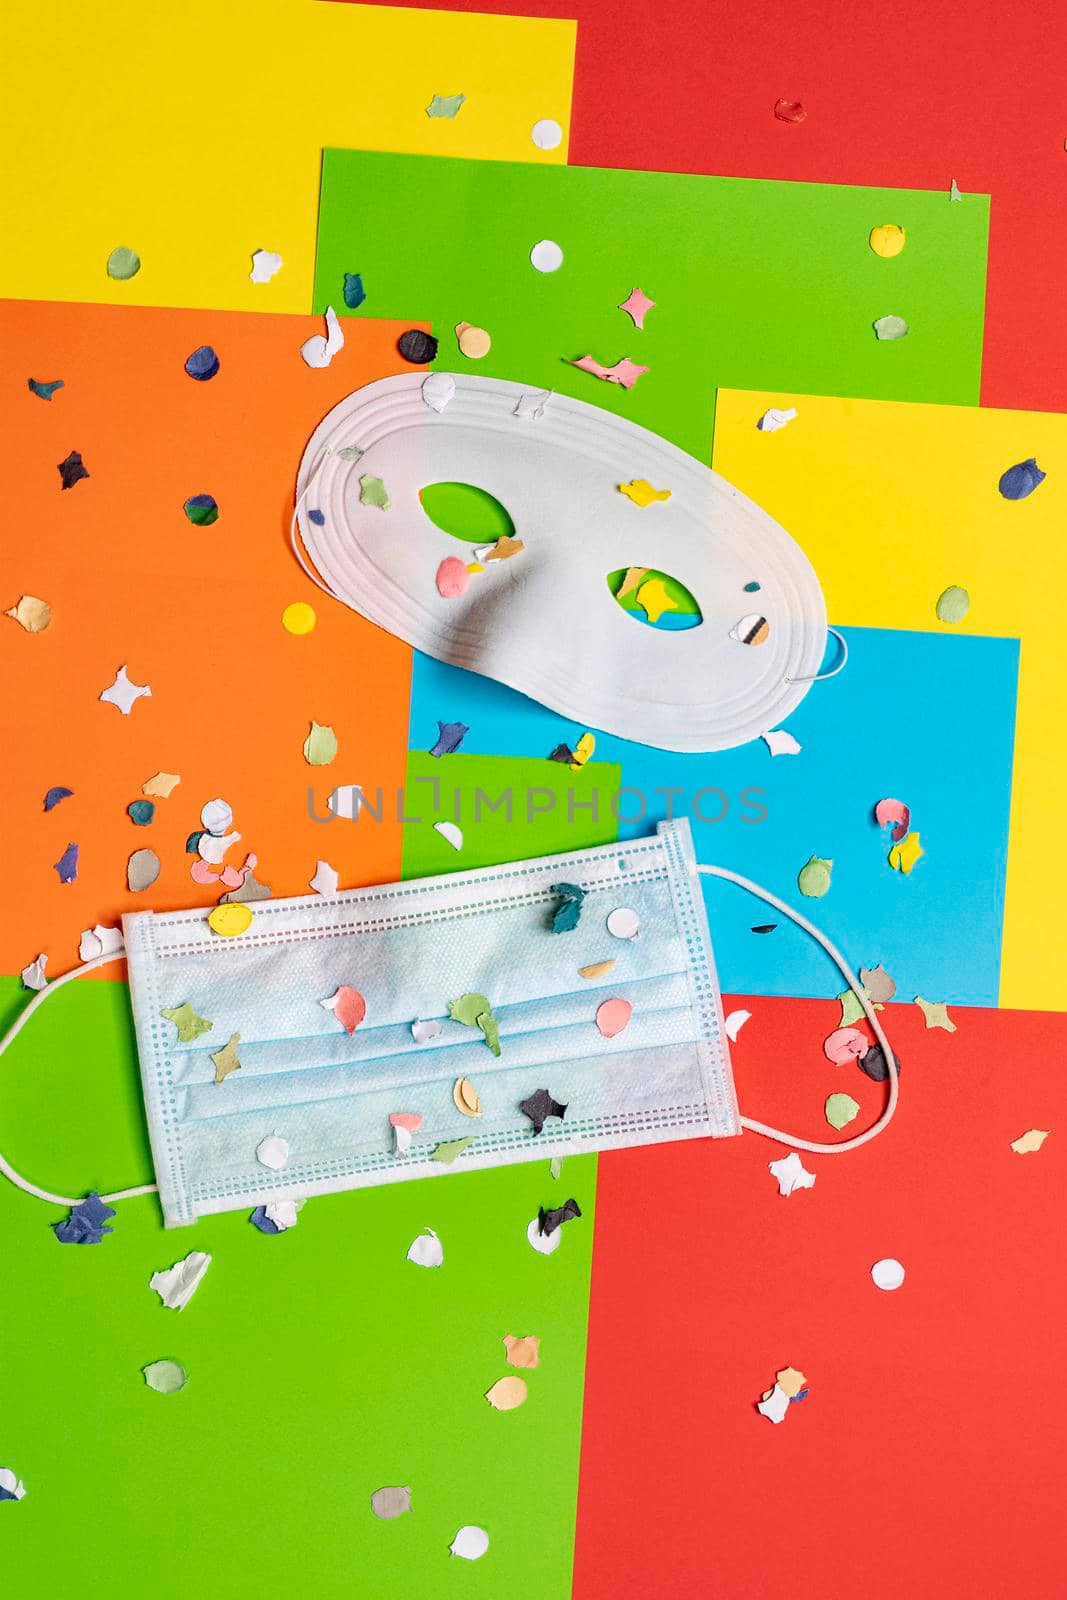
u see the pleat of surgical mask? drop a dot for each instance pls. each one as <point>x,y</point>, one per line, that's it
<point>410,949</point>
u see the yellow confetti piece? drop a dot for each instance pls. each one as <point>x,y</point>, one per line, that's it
<point>1030,1141</point>
<point>475,566</point>
<point>230,920</point>
<point>790,1381</point>
<point>654,600</point>
<point>641,492</point>
<point>505,548</point>
<point>507,1393</point>
<point>225,1060</point>
<point>904,855</point>
<point>467,1098</point>
<point>597,969</point>
<point>473,342</point>
<point>582,751</point>
<point>299,618</point>
<point>162,785</point>
<point>887,240</point>
<point>32,614</point>
<point>935,1014</point>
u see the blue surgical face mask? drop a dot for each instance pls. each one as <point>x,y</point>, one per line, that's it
<point>319,1099</point>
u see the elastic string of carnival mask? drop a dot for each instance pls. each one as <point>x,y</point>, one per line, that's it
<point>296,543</point>
<point>821,677</point>
<point>16,1027</point>
<point>868,1010</point>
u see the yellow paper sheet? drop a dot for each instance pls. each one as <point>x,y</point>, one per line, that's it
<point>193,133</point>
<point>894,502</point>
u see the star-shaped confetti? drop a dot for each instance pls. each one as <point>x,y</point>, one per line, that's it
<point>637,305</point>
<point>188,1024</point>
<point>72,469</point>
<point>935,1014</point>
<point>225,1060</point>
<point>123,693</point>
<point>539,1106</point>
<point>624,372</point>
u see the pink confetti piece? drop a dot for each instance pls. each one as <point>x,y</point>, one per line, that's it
<point>893,814</point>
<point>348,1006</point>
<point>637,305</point>
<point>201,872</point>
<point>233,877</point>
<point>411,1120</point>
<point>624,372</point>
<point>452,578</point>
<point>844,1045</point>
<point>612,1016</point>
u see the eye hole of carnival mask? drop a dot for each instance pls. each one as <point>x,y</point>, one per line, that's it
<point>654,598</point>
<point>588,494</point>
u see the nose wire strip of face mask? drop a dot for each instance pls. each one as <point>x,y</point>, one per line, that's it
<point>857,989</point>
<point>298,552</point>
<point>16,1027</point>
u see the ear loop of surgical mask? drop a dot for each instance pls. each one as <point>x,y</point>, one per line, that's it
<point>868,1011</point>
<point>16,1027</point>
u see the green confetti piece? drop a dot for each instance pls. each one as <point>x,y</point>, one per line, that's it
<point>555,1166</point>
<point>487,1023</point>
<point>372,492</point>
<point>123,263</point>
<point>141,812</point>
<point>165,1377</point>
<point>890,328</point>
<point>320,746</point>
<point>851,1010</point>
<point>468,1008</point>
<point>225,1060</point>
<point>447,1152</point>
<point>445,105</point>
<point>953,604</point>
<point>188,1024</point>
<point>841,1109</point>
<point>202,510</point>
<point>44,391</point>
<point>813,879</point>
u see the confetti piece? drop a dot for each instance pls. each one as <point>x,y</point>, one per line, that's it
<point>348,1006</point>
<point>438,389</point>
<point>320,349</point>
<point>123,263</point>
<point>780,742</point>
<point>33,974</point>
<point>346,801</point>
<point>67,865</point>
<point>546,256</point>
<point>530,407</point>
<point>596,969</point>
<point>251,889</point>
<point>466,1097</point>
<point>278,1217</point>
<point>813,879</point>
<point>165,1377</point>
<point>299,618</point>
<point>320,746</point>
<point>851,1008</point>
<point>549,1221</point>
<point>903,856</point>
<point>566,915</point>
<point>450,832</point>
<point>1030,1141</point>
<point>790,1174</point>
<point>470,1543</point>
<point>583,750</point>
<point>775,419</point>
<point>953,604</point>
<point>539,1106</point>
<point>751,630</point>
<point>141,812</point>
<point>775,1405</point>
<point>789,111</point>
<point>162,785</point>
<point>613,1016</point>
<point>203,364</point>
<point>273,1152</point>
<point>201,871</point>
<point>624,372</point>
<point>637,305</point>
<point>202,510</point>
<point>790,1381</point>
<point>873,1064</point>
<point>623,923</point>
<point>887,1274</point>
<point>895,815</point>
<point>735,1021</point>
<point>99,941</point>
<point>211,848</point>
<point>546,133</point>
<point>404,1124</point>
<point>452,578</point>
<point>840,1110</point>
<point>935,1014</point>
<point>954,192</point>
<point>177,1284</point>
<point>543,1243</point>
<point>887,240</point>
<point>32,614</point>
<point>524,1352</point>
<point>422,1032</point>
<point>85,1224</point>
<point>266,264</point>
<point>562,752</point>
<point>1020,481</point>
<point>426,1250</point>
<point>325,879</point>
<point>188,1024</point>
<point>448,1150</point>
<point>123,693</point>
<point>632,580</point>
<point>216,816</point>
<point>390,1502</point>
<point>71,470</point>
<point>44,391</point>
<point>845,1044</point>
<point>473,342</point>
<point>890,327</point>
<point>877,983</point>
<point>229,918</point>
<point>372,492</point>
<point>417,346</point>
<point>654,599</point>
<point>555,1167</point>
<point>445,105</point>
<point>764,927</point>
<point>54,796</point>
<point>11,1488</point>
<point>353,290</point>
<point>231,877</point>
<point>507,1393</point>
<point>450,735</point>
<point>225,1060</point>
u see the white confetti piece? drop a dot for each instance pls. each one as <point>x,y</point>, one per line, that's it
<point>450,831</point>
<point>546,133</point>
<point>123,693</point>
<point>774,419</point>
<point>426,1250</point>
<point>438,389</point>
<point>319,351</point>
<point>11,1485</point>
<point>791,1174</point>
<point>273,1152</point>
<point>543,1243</point>
<point>325,879</point>
<point>99,941</point>
<point>265,264</point>
<point>177,1284</point>
<point>546,256</point>
<point>624,923</point>
<point>735,1021</point>
<point>532,406</point>
<point>887,1273</point>
<point>776,1405</point>
<point>781,743</point>
<point>346,801</point>
<point>216,816</point>
<point>283,1213</point>
<point>212,848</point>
<point>33,975</point>
<point>470,1543</point>
<point>423,1031</point>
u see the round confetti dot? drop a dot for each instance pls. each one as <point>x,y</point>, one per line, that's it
<point>543,1243</point>
<point>546,134</point>
<point>202,509</point>
<point>452,578</point>
<point>752,629</point>
<point>230,920</point>
<point>953,604</point>
<point>613,1016</point>
<point>473,342</point>
<point>123,263</point>
<point>141,812</point>
<point>887,240</point>
<point>546,255</point>
<point>202,364</point>
<point>623,923</point>
<point>299,618</point>
<point>273,1152</point>
<point>416,346</point>
<point>887,1274</point>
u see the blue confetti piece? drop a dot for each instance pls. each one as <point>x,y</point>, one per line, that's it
<point>1021,480</point>
<point>317,517</point>
<point>193,841</point>
<point>751,588</point>
<point>566,915</point>
<point>449,737</point>
<point>44,391</point>
<point>67,865</point>
<point>202,364</point>
<point>141,812</point>
<point>259,1219</point>
<point>355,294</point>
<point>85,1225</point>
<point>54,796</point>
<point>803,1395</point>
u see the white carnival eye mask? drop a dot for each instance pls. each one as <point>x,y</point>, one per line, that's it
<point>282,1062</point>
<point>545,620</point>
